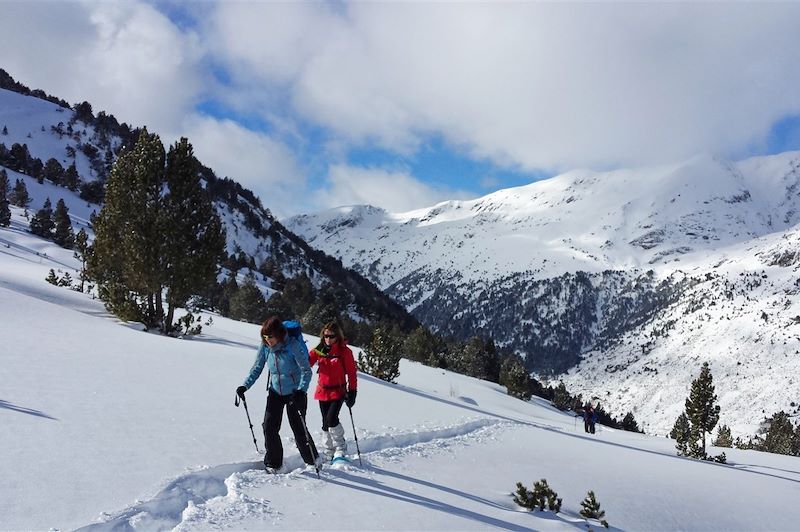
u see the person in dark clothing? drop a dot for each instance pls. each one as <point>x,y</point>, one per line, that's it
<point>589,418</point>
<point>289,377</point>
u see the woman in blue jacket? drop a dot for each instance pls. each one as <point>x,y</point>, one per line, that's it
<point>289,376</point>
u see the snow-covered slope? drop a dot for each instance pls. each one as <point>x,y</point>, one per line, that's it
<point>254,237</point>
<point>619,273</point>
<point>110,427</point>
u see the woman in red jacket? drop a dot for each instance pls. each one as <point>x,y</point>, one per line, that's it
<point>336,384</point>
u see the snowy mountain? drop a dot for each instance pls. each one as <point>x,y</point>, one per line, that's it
<point>48,130</point>
<point>111,428</point>
<point>620,283</point>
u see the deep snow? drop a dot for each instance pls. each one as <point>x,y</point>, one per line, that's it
<point>109,426</point>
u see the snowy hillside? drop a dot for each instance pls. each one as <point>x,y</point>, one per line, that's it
<point>113,428</point>
<point>254,237</point>
<point>628,279</point>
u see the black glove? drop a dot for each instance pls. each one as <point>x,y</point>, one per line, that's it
<point>298,398</point>
<point>350,398</point>
<point>240,391</point>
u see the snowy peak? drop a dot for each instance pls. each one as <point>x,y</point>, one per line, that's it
<point>580,220</point>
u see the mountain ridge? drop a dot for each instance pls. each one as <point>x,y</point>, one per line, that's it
<point>590,266</point>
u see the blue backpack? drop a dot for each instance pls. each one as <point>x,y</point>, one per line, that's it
<point>294,330</point>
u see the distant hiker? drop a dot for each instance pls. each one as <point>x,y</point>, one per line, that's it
<point>336,384</point>
<point>289,377</point>
<point>589,418</point>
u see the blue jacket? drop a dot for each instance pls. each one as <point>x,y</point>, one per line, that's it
<point>287,364</point>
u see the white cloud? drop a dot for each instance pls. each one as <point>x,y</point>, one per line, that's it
<point>541,85</point>
<point>526,85</point>
<point>124,57</point>
<point>256,161</point>
<point>395,191</point>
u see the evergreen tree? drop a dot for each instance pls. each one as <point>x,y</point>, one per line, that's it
<point>5,211</point>
<point>381,358</point>
<point>515,377</point>
<point>299,295</point>
<point>66,280</point>
<point>724,438</point>
<point>780,436</point>
<point>53,171</point>
<point>19,158</point>
<point>468,359</point>
<point>702,410</point>
<point>42,222</point>
<point>194,240</point>
<point>71,178</point>
<point>127,259</point>
<point>420,344</point>
<point>5,130</point>
<point>82,253</point>
<point>248,303</point>
<point>92,191</point>
<point>681,432</point>
<point>561,397</point>
<point>590,509</point>
<point>51,277</point>
<point>629,423</point>
<point>35,169</point>
<point>19,196</point>
<point>322,311</point>
<point>278,306</point>
<point>63,234</point>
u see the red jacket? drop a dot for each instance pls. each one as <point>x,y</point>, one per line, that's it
<point>336,373</point>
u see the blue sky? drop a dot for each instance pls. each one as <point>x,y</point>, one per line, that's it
<point>402,105</point>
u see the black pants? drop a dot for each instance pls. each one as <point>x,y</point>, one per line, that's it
<point>273,415</point>
<point>330,412</point>
<point>588,426</point>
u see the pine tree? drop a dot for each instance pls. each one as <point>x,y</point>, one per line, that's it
<point>53,171</point>
<point>19,196</point>
<point>127,258</point>
<point>51,277</point>
<point>591,509</point>
<point>681,432</point>
<point>248,303</point>
<point>780,436</point>
<point>42,222</point>
<point>419,344</point>
<point>515,378</point>
<point>561,397</point>
<point>66,280</point>
<point>381,358</point>
<point>63,235</point>
<point>5,211</point>
<point>71,178</point>
<point>724,438</point>
<point>702,410</point>
<point>82,254</point>
<point>195,239</point>
<point>629,423</point>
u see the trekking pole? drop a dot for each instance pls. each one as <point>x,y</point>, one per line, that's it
<point>308,441</point>
<point>244,402</point>
<point>355,436</point>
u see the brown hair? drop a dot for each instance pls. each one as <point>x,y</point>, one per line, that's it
<point>273,326</point>
<point>333,327</point>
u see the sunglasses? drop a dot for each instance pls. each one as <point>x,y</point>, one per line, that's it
<point>330,336</point>
<point>267,336</point>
